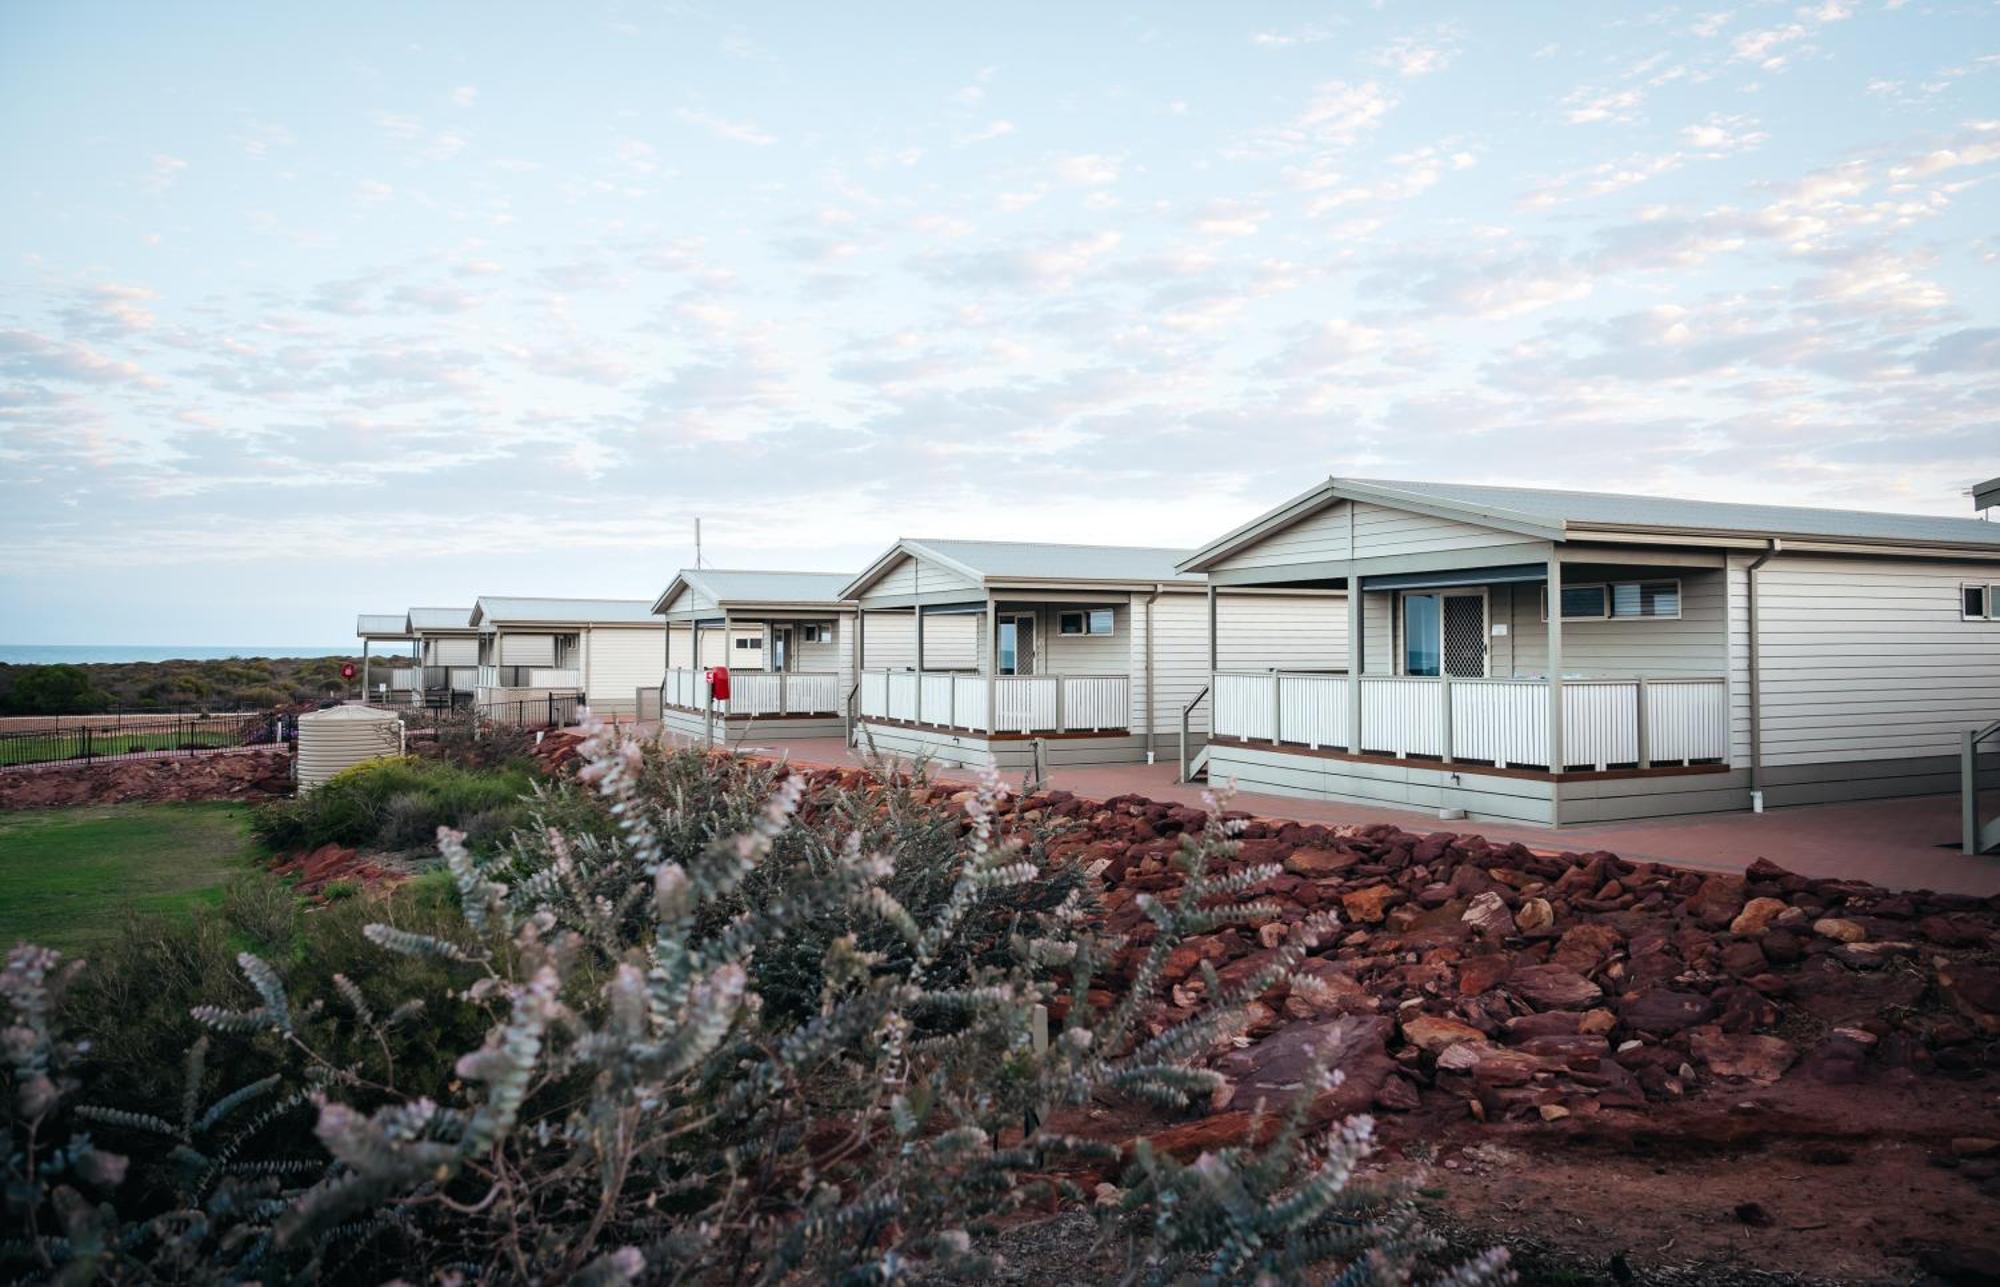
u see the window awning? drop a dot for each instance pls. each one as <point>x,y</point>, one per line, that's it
<point>1509,574</point>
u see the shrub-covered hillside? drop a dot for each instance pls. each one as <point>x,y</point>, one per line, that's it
<point>172,685</point>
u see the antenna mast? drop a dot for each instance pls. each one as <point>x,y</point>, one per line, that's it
<point>697,544</point>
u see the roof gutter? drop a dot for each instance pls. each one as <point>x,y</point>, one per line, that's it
<point>1756,680</point>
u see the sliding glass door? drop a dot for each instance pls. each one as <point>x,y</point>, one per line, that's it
<point>1444,633</point>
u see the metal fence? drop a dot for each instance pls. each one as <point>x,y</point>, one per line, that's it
<point>556,710</point>
<point>135,737</point>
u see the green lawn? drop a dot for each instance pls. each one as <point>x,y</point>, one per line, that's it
<point>48,748</point>
<point>67,876</point>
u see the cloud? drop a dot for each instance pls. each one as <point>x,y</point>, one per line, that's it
<point>1419,55</point>
<point>373,192</point>
<point>165,172</point>
<point>723,128</point>
<point>986,133</point>
<point>1087,170</point>
<point>1595,106</point>
<point>465,95</point>
<point>28,356</point>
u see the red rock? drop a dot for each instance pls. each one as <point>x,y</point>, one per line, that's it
<point>1759,1059</point>
<point>1975,990</point>
<point>1367,906</point>
<point>1431,1033</point>
<point>1483,973</point>
<point>1315,863</point>
<point>1717,901</point>
<point>1662,1012</point>
<point>1551,987</point>
<point>1585,947</point>
<point>1488,916</point>
<point>1188,956</point>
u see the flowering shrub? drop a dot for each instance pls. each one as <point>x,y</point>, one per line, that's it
<point>736,1033</point>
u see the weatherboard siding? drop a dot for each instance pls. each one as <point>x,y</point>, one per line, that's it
<point>617,662</point>
<point>909,576</point>
<point>1384,532</point>
<point>1868,659</point>
<point>1317,538</point>
<point>1692,645</point>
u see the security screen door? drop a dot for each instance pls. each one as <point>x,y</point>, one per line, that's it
<point>1017,645</point>
<point>1445,632</point>
<point>781,648</point>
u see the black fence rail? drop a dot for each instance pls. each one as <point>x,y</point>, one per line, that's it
<point>432,718</point>
<point>140,738</point>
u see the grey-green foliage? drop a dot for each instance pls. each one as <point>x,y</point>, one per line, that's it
<point>638,1111</point>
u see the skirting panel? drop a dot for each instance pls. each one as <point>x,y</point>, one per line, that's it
<point>1277,772</point>
<point>1008,755</point>
<point>744,732</point>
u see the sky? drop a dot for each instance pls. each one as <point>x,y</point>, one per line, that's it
<point>307,311</point>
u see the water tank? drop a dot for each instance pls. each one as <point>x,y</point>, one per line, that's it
<point>341,737</point>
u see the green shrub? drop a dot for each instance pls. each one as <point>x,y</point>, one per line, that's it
<point>636,1108</point>
<point>389,804</point>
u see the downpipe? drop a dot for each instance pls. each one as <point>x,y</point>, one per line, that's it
<point>1151,599</point>
<point>1756,679</point>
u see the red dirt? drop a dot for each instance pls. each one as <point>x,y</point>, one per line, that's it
<point>1699,1073</point>
<point>255,773</point>
<point>329,864</point>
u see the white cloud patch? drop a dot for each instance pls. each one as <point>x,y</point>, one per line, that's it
<point>722,127</point>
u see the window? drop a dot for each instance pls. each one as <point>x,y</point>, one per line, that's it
<point>1618,600</point>
<point>1097,621</point>
<point>750,642</point>
<point>1979,602</point>
<point>814,632</point>
<point>1646,599</point>
<point>1580,603</point>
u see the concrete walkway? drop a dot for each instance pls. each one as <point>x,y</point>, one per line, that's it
<point>1909,843</point>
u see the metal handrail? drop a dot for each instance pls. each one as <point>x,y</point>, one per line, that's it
<point>1976,836</point>
<point>847,711</point>
<point>1186,711</point>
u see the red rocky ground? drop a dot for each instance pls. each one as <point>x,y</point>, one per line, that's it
<point>256,774</point>
<point>1602,1057</point>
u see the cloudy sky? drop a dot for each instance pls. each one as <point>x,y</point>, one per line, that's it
<point>363,305</point>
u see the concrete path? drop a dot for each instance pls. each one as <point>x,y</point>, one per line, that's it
<point>1909,843</point>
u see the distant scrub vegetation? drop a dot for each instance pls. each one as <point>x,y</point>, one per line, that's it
<point>225,684</point>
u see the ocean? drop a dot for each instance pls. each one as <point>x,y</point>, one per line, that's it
<point>84,654</point>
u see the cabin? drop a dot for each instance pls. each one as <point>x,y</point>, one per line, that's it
<point>786,637</point>
<point>447,652</point>
<point>373,628</point>
<point>557,651</point>
<point>1700,656</point>
<point>999,653</point>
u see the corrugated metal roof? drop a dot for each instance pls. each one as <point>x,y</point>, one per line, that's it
<point>440,618</point>
<point>491,608</point>
<point>1613,509</point>
<point>381,623</point>
<point>1025,560</point>
<point>726,585</point>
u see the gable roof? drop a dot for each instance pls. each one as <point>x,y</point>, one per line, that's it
<point>727,585</point>
<point>1558,515</point>
<point>440,618</point>
<point>377,625</point>
<point>493,609</point>
<point>1034,562</point>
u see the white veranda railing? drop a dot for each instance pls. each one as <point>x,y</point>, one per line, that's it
<point>1504,722</point>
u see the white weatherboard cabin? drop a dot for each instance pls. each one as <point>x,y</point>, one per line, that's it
<point>973,651</point>
<point>603,650</point>
<point>372,628</point>
<point>787,638</point>
<point>447,650</point>
<point>1705,656</point>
